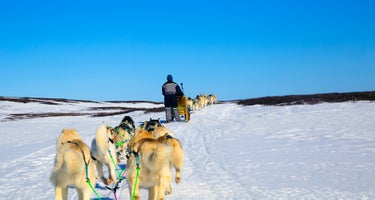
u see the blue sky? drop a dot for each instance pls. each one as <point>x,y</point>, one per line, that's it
<point>123,50</point>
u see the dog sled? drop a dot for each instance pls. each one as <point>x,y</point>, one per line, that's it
<point>183,109</point>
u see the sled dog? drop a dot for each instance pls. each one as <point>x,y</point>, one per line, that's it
<point>151,157</point>
<point>190,104</point>
<point>69,170</point>
<point>151,124</point>
<point>122,134</point>
<point>212,99</point>
<point>128,120</point>
<point>103,151</point>
<point>177,158</point>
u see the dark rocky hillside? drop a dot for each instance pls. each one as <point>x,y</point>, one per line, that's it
<point>93,111</point>
<point>309,99</point>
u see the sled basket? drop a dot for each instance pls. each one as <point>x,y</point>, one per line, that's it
<point>183,109</point>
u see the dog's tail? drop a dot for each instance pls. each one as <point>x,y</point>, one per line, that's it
<point>178,153</point>
<point>68,164</point>
<point>102,138</point>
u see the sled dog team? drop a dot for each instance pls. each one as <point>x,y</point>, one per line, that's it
<point>201,101</point>
<point>150,150</point>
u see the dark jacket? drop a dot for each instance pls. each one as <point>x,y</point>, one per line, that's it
<point>170,91</point>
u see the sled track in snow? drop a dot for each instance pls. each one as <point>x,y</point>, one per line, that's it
<point>203,150</point>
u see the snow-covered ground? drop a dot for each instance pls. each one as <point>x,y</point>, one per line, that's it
<point>323,151</point>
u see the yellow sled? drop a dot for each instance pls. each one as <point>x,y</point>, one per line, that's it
<point>183,108</point>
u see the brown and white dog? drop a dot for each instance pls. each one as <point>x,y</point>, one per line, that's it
<point>177,158</point>
<point>148,165</point>
<point>69,170</point>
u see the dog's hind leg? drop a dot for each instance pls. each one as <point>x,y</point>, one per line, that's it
<point>152,193</point>
<point>178,176</point>
<point>137,195</point>
<point>65,193</point>
<point>99,167</point>
<point>80,193</point>
<point>168,190</point>
<point>162,187</point>
<point>58,193</point>
<point>112,173</point>
<point>61,193</point>
<point>84,193</point>
<point>178,160</point>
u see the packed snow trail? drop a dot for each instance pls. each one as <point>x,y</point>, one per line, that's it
<point>324,151</point>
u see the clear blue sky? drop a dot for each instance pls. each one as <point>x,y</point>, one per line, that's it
<point>123,50</point>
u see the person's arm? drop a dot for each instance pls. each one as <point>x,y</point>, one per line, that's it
<point>163,90</point>
<point>179,92</point>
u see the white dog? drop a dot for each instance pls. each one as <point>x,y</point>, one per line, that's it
<point>103,151</point>
<point>72,157</point>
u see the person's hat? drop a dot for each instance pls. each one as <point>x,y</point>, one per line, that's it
<point>169,78</point>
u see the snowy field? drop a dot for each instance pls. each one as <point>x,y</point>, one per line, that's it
<point>323,151</point>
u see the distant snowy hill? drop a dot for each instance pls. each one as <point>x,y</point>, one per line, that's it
<point>26,108</point>
<point>320,151</point>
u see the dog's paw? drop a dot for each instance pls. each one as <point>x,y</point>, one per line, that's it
<point>104,181</point>
<point>178,180</point>
<point>109,181</point>
<point>168,190</point>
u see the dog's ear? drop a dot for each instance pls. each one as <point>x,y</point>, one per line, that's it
<point>111,130</point>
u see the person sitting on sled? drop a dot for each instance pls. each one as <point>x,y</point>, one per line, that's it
<point>171,91</point>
